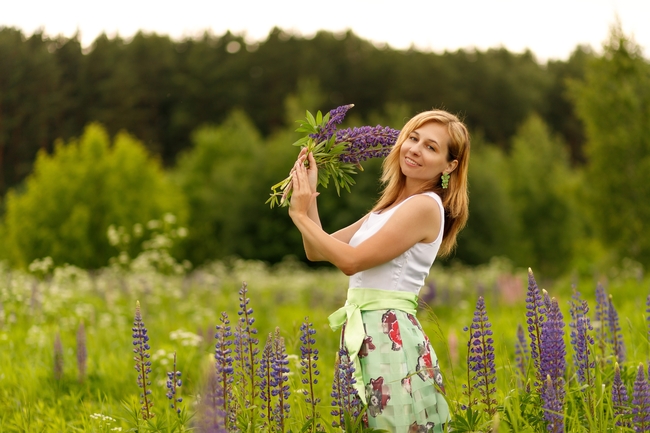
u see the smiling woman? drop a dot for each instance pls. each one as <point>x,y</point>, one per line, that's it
<point>388,254</point>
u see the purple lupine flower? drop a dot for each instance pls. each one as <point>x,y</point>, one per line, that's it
<point>345,395</point>
<point>82,353</point>
<point>600,319</point>
<point>246,349</point>
<point>619,398</point>
<point>535,317</point>
<point>223,362</point>
<point>366,142</point>
<point>173,383</point>
<point>142,362</point>
<point>641,402</point>
<point>615,332</point>
<point>581,339</point>
<point>647,303</point>
<point>553,404</point>
<point>336,116</point>
<point>553,367</point>
<point>280,379</point>
<point>266,380</point>
<point>553,350</point>
<point>309,368</point>
<point>481,358</point>
<point>211,418</point>
<point>58,357</point>
<point>521,350</point>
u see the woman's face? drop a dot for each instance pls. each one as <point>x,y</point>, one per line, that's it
<point>423,155</point>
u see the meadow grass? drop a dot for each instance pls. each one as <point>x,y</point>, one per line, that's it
<point>181,312</point>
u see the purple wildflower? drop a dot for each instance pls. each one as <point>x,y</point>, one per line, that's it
<point>552,403</point>
<point>553,367</point>
<point>223,359</point>
<point>535,317</point>
<point>82,353</point>
<point>641,402</point>
<point>346,398</point>
<point>581,340</point>
<point>58,357</point>
<point>336,116</point>
<point>265,383</point>
<point>619,397</point>
<point>173,383</point>
<point>246,350</point>
<point>309,367</point>
<point>600,319</point>
<point>366,142</point>
<point>280,378</point>
<point>142,362</point>
<point>481,358</point>
<point>521,351</point>
<point>647,303</point>
<point>615,332</point>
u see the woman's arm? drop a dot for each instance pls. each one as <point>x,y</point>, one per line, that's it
<point>417,220</point>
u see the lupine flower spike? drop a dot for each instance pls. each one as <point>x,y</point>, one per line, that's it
<point>309,368</point>
<point>641,402</point>
<point>582,341</point>
<point>600,319</point>
<point>265,383</point>
<point>481,359</point>
<point>535,317</point>
<point>615,332</point>
<point>619,398</point>
<point>82,354</point>
<point>142,362</point>
<point>210,414</point>
<point>279,374</point>
<point>246,349</point>
<point>223,363</point>
<point>174,382</point>
<point>521,351</point>
<point>553,367</point>
<point>345,396</point>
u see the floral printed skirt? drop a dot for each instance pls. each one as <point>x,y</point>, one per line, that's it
<point>404,388</point>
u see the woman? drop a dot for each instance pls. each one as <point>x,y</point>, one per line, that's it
<point>388,254</point>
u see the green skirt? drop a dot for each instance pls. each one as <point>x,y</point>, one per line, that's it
<point>403,383</point>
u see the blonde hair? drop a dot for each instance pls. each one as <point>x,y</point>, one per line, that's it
<point>455,198</point>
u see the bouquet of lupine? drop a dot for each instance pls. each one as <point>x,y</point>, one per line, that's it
<point>338,153</point>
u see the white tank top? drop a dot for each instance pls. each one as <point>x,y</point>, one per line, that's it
<point>406,272</point>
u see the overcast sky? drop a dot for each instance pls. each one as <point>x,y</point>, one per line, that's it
<point>550,28</point>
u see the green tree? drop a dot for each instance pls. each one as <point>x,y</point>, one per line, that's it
<point>613,102</point>
<point>542,186</point>
<point>74,195</point>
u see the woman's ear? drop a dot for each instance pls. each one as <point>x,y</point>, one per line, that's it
<point>451,166</point>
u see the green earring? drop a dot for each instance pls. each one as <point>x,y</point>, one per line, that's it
<point>445,180</point>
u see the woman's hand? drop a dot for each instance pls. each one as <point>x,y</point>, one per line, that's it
<point>303,193</point>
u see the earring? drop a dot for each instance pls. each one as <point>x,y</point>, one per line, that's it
<point>445,180</point>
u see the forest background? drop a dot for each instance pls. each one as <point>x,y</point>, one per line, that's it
<point>127,131</point>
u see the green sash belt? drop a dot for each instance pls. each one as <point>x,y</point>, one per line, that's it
<point>364,300</point>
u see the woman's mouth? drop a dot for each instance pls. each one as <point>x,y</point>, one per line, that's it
<point>410,162</point>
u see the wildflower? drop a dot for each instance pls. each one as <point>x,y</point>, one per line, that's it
<point>600,318</point>
<point>173,383</point>
<point>521,351</point>
<point>615,332</point>
<point>264,372</point>
<point>81,352</point>
<point>279,371</point>
<point>581,340</point>
<point>345,396</point>
<point>553,366</point>
<point>223,361</point>
<point>366,142</point>
<point>246,350</point>
<point>536,315</point>
<point>552,403</point>
<point>641,402</point>
<point>142,362</point>
<point>481,358</point>
<point>210,414</point>
<point>326,131</point>
<point>58,357</point>
<point>619,397</point>
<point>309,367</point>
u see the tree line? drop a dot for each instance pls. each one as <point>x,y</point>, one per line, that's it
<point>559,154</point>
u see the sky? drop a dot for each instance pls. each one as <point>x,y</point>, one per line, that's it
<point>551,29</point>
